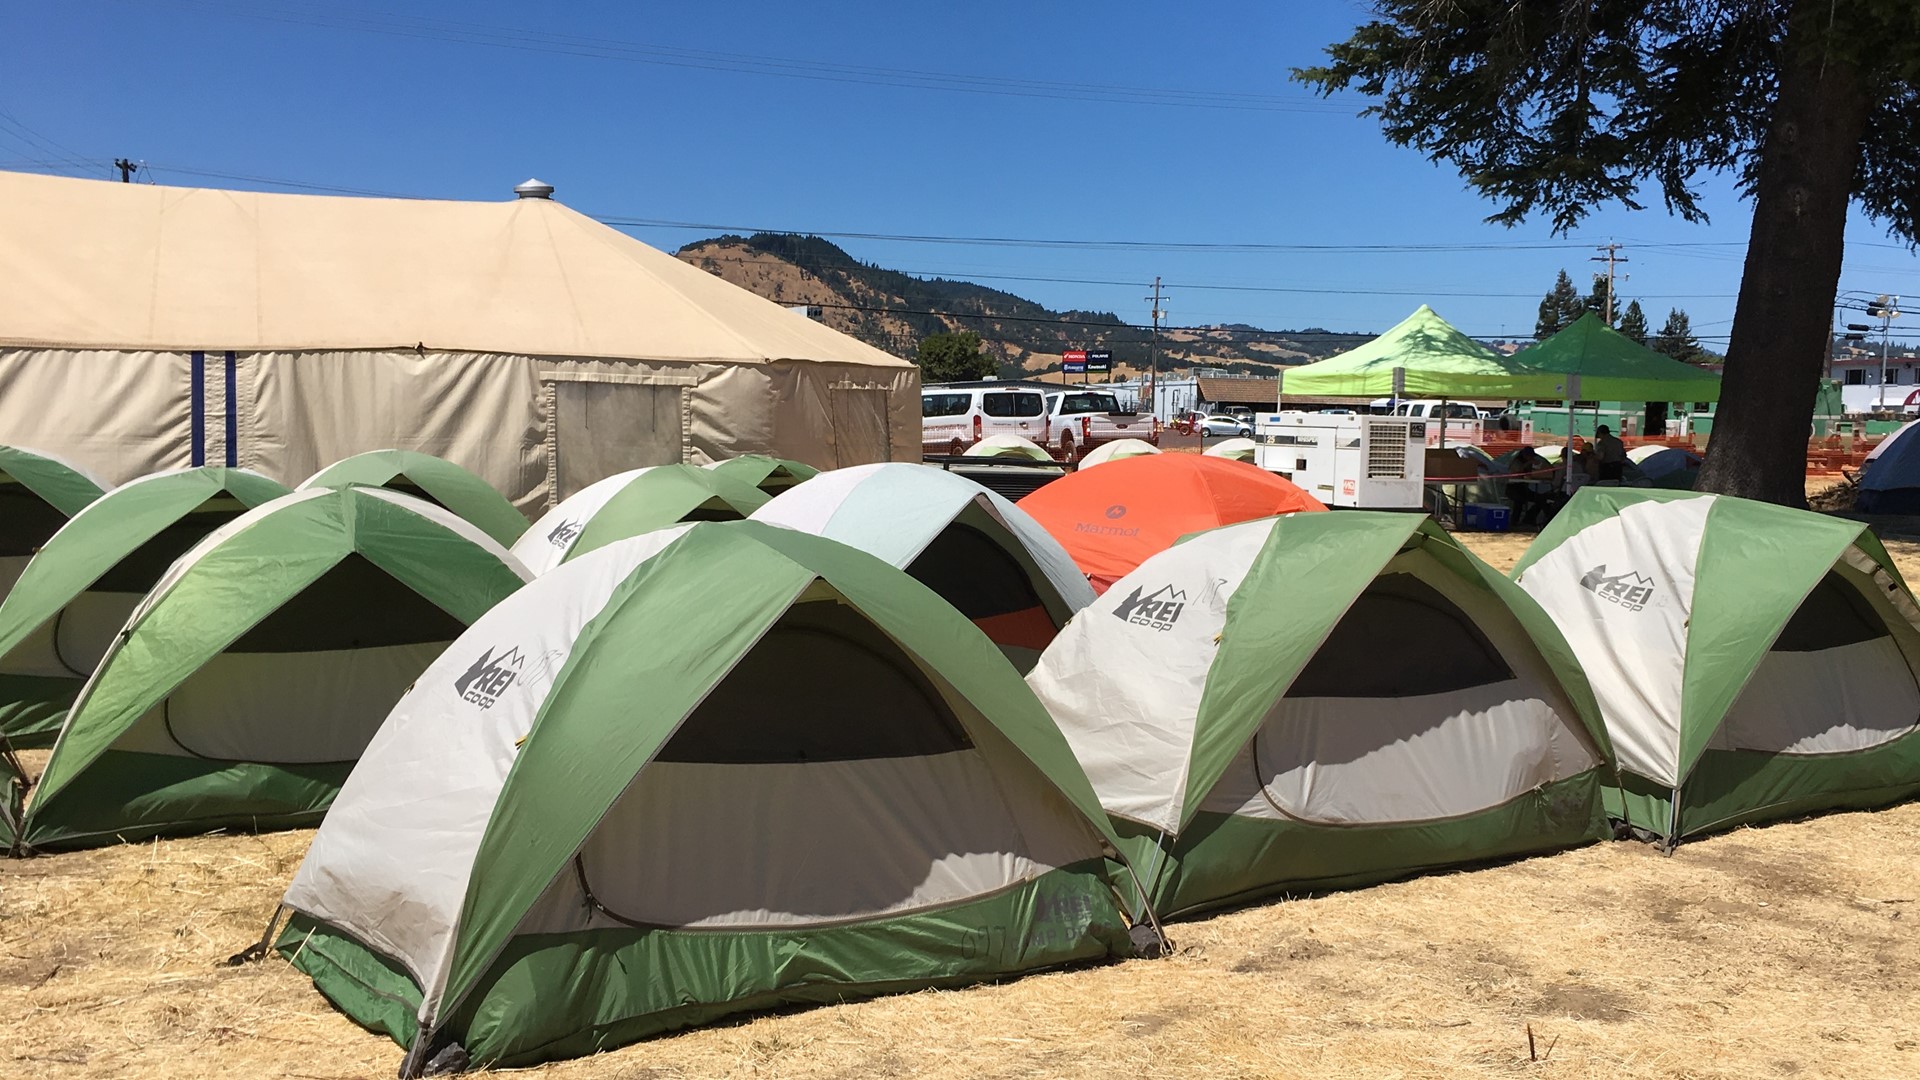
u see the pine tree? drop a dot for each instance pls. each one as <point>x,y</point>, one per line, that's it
<point>1558,308</point>
<point>1633,323</point>
<point>1676,338</point>
<point>1597,299</point>
<point>1559,108</point>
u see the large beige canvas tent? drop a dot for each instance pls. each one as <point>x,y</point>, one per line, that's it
<point>519,339</point>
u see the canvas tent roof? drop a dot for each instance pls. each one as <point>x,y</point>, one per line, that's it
<point>1599,363</point>
<point>1421,357</point>
<point>98,265</point>
<point>1751,661</point>
<point>669,769</point>
<point>246,683</point>
<point>435,479</point>
<point>630,503</point>
<point>981,553</point>
<point>73,597</point>
<point>1320,700</point>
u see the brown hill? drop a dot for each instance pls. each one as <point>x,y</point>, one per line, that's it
<point>894,311</point>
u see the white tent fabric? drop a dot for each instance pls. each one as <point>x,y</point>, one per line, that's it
<point>553,534</point>
<point>1008,446</point>
<point>893,511</point>
<point>284,332</point>
<point>1239,448</point>
<point>1633,645</point>
<point>1134,734</point>
<point>855,833</point>
<point>1128,703</point>
<point>1118,448</point>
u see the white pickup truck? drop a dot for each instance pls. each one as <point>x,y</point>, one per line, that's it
<point>1079,420</point>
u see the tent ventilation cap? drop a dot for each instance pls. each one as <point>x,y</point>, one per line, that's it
<point>534,189</point>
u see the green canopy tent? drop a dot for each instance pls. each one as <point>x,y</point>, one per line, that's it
<point>630,503</point>
<point>715,768</point>
<point>1321,701</point>
<point>1595,362</point>
<point>433,479</point>
<point>771,475</point>
<point>74,596</point>
<point>248,681</point>
<point>1751,661</point>
<point>1422,357</point>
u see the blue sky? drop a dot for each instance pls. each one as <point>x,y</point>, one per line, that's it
<point>609,102</point>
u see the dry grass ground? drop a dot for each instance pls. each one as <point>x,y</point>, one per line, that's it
<point>1785,951</point>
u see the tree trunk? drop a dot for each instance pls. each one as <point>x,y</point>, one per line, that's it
<point>1784,316</point>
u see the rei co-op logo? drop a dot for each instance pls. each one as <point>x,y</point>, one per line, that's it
<point>489,677</point>
<point>564,533</point>
<point>1159,609</point>
<point>1632,590</point>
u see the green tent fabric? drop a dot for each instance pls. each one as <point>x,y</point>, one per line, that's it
<point>72,598</point>
<point>1598,363</point>
<point>250,678</point>
<point>771,475</point>
<point>13,786</point>
<point>714,768</point>
<point>1422,357</point>
<point>1320,701</point>
<point>630,503</point>
<point>60,484</point>
<point>38,493</point>
<point>1751,661</point>
<point>436,480</point>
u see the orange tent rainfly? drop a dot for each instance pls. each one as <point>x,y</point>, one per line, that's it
<point>1110,519</point>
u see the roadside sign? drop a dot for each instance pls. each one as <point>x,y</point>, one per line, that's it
<point>1074,361</point>
<point>1100,362</point>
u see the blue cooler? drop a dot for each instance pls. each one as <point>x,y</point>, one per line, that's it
<point>1484,517</point>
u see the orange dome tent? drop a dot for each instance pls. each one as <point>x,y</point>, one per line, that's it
<point>1112,518</point>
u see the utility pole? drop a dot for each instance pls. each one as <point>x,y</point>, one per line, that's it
<point>1609,255</point>
<point>1153,356</point>
<point>126,169</point>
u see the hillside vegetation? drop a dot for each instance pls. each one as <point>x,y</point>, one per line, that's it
<point>893,311</point>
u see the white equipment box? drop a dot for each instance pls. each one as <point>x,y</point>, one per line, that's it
<point>1369,462</point>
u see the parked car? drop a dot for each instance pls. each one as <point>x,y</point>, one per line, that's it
<point>1078,420</point>
<point>953,418</point>
<point>1225,425</point>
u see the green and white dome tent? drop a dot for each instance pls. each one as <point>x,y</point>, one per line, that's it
<point>76,593</point>
<point>38,493</point>
<point>979,552</point>
<point>247,682</point>
<point>771,475</point>
<point>630,503</point>
<point>1752,661</point>
<point>716,768</point>
<point>1114,450</point>
<point>1321,701</point>
<point>435,480</point>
